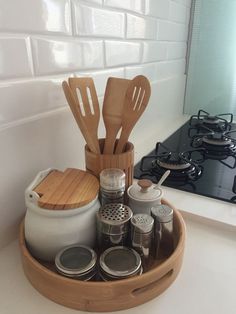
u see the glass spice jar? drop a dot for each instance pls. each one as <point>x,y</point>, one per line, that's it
<point>112,186</point>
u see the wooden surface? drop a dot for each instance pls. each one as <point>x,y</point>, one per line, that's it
<point>72,188</point>
<point>136,100</point>
<point>86,118</point>
<point>113,110</point>
<point>105,296</point>
<point>95,163</point>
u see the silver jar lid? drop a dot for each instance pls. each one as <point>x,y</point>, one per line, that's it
<point>120,262</point>
<point>76,261</point>
<point>142,223</point>
<point>112,179</point>
<point>162,213</point>
<point>113,218</point>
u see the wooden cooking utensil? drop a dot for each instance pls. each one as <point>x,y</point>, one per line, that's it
<point>136,100</point>
<point>89,106</point>
<point>87,121</point>
<point>113,109</point>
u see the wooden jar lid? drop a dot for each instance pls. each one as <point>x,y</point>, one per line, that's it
<point>72,188</point>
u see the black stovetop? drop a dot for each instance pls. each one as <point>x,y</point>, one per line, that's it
<point>217,177</point>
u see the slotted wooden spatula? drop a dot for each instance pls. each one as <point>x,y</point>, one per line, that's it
<point>113,109</point>
<point>136,100</point>
<point>87,122</point>
<point>88,106</point>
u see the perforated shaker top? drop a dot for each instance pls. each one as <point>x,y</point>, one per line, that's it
<point>115,213</point>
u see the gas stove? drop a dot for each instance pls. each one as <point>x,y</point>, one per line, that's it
<point>201,157</point>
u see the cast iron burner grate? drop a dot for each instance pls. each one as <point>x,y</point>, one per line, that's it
<point>182,167</point>
<point>220,122</point>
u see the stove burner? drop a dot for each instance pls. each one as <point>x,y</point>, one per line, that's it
<point>172,165</point>
<point>182,169</point>
<point>220,122</point>
<point>211,120</point>
<point>217,140</point>
<point>216,143</point>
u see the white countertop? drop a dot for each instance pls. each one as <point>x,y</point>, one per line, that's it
<point>206,283</point>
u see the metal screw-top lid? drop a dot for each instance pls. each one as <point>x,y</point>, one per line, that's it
<point>162,213</point>
<point>112,179</point>
<point>142,223</point>
<point>120,262</point>
<point>76,261</point>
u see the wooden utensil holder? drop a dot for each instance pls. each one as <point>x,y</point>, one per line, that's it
<point>95,163</point>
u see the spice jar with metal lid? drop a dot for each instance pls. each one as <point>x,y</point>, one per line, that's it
<point>113,225</point>
<point>163,230</point>
<point>142,236</point>
<point>112,186</point>
<point>77,261</point>
<point>119,262</point>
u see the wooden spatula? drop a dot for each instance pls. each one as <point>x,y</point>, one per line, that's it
<point>136,100</point>
<point>87,122</point>
<point>113,109</point>
<point>88,105</point>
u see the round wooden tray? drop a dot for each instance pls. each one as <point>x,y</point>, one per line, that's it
<point>106,296</point>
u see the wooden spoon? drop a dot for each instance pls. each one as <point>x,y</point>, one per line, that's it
<point>85,122</point>
<point>113,109</point>
<point>136,100</point>
<point>88,106</point>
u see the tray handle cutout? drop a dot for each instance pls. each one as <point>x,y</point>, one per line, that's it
<point>151,286</point>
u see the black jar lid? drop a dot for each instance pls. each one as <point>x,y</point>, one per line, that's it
<point>120,262</point>
<point>76,261</point>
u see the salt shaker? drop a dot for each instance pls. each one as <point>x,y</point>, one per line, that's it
<point>163,230</point>
<point>112,186</point>
<point>141,236</point>
<point>113,225</point>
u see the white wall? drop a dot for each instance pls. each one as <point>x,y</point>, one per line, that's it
<point>42,42</point>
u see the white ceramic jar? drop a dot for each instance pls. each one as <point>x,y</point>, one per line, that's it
<point>143,195</point>
<point>47,231</point>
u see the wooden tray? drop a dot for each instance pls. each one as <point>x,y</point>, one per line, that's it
<point>105,296</point>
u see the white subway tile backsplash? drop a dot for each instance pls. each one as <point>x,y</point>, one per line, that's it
<point>56,56</point>
<point>119,53</point>
<point>169,69</point>
<point>91,21</point>
<point>147,69</point>
<point>95,1</point>
<point>14,57</point>
<point>132,5</point>
<point>100,77</point>
<point>158,8</point>
<point>187,3</point>
<point>176,50</point>
<point>142,28</point>
<point>36,16</point>
<point>177,12</point>
<point>30,98</point>
<point>172,31</point>
<point>154,51</point>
